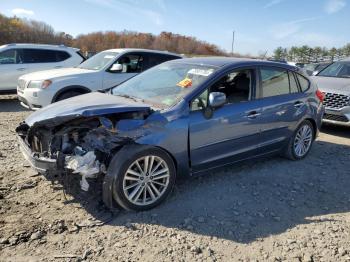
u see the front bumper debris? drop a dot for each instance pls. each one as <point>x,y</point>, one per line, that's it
<point>40,164</point>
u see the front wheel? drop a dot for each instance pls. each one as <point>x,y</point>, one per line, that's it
<point>144,177</point>
<point>68,94</point>
<point>301,141</point>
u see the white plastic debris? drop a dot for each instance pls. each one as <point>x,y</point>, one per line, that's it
<point>86,165</point>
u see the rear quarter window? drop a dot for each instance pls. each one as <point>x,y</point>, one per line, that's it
<point>293,83</point>
<point>303,83</point>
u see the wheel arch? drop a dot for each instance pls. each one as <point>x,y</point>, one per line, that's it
<point>314,125</point>
<point>108,182</point>
<point>77,88</point>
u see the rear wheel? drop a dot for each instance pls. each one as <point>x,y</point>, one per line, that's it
<point>68,94</point>
<point>144,177</point>
<point>300,143</point>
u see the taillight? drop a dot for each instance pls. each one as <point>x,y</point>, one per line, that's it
<point>320,95</point>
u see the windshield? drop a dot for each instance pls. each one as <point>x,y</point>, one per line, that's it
<point>98,61</point>
<point>164,84</point>
<point>337,69</point>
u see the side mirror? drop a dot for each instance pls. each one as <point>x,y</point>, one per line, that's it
<point>217,99</point>
<point>116,68</point>
<point>314,73</point>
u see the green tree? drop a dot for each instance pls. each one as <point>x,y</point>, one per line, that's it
<point>279,53</point>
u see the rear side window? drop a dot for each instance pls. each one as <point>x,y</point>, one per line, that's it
<point>293,83</point>
<point>61,56</point>
<point>43,56</point>
<point>155,59</point>
<point>303,82</point>
<point>274,82</point>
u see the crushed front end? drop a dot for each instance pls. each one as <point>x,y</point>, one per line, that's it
<point>81,145</point>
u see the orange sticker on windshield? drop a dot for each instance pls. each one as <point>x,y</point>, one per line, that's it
<point>187,82</point>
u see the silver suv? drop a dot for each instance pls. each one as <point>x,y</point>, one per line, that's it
<point>19,59</point>
<point>334,82</point>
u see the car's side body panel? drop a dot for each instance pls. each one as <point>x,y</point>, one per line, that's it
<point>229,135</point>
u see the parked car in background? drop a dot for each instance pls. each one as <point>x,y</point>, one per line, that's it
<point>314,68</point>
<point>19,59</point>
<point>182,117</point>
<point>102,71</point>
<point>334,82</point>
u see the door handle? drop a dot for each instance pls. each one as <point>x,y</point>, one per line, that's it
<point>298,104</point>
<point>21,69</point>
<point>253,114</point>
<point>58,67</point>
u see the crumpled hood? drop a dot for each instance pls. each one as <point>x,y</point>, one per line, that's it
<point>55,73</point>
<point>92,104</point>
<point>333,84</point>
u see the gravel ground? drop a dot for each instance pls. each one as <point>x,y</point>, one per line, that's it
<point>267,210</point>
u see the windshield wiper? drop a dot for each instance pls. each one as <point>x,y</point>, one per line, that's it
<point>130,97</point>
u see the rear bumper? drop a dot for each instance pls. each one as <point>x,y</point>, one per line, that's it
<point>40,164</point>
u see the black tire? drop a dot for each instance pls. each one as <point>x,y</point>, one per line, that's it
<point>123,160</point>
<point>68,94</point>
<point>290,151</point>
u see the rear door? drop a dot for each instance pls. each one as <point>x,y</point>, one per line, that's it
<point>37,59</point>
<point>283,105</point>
<point>132,63</point>
<point>231,133</point>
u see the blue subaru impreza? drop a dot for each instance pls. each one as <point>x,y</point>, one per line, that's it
<point>182,117</point>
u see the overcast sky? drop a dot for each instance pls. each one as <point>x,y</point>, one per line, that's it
<point>259,25</point>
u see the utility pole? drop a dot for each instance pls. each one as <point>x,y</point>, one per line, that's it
<point>233,41</point>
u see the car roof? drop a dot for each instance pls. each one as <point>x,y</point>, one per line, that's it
<point>127,50</point>
<point>42,46</point>
<point>234,61</point>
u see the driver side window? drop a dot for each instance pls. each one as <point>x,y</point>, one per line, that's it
<point>236,86</point>
<point>200,102</point>
<point>131,63</point>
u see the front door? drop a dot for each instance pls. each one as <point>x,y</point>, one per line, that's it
<point>232,132</point>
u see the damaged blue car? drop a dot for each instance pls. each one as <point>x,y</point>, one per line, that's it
<point>182,117</point>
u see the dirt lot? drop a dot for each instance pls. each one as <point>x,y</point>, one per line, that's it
<point>267,210</point>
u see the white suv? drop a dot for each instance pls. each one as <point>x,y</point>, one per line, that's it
<point>20,59</point>
<point>102,71</point>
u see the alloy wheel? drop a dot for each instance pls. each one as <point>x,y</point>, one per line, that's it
<point>303,140</point>
<point>146,180</point>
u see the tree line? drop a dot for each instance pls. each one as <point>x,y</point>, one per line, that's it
<point>16,30</point>
<point>307,54</point>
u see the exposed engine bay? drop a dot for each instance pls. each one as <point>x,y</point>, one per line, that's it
<point>84,145</point>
